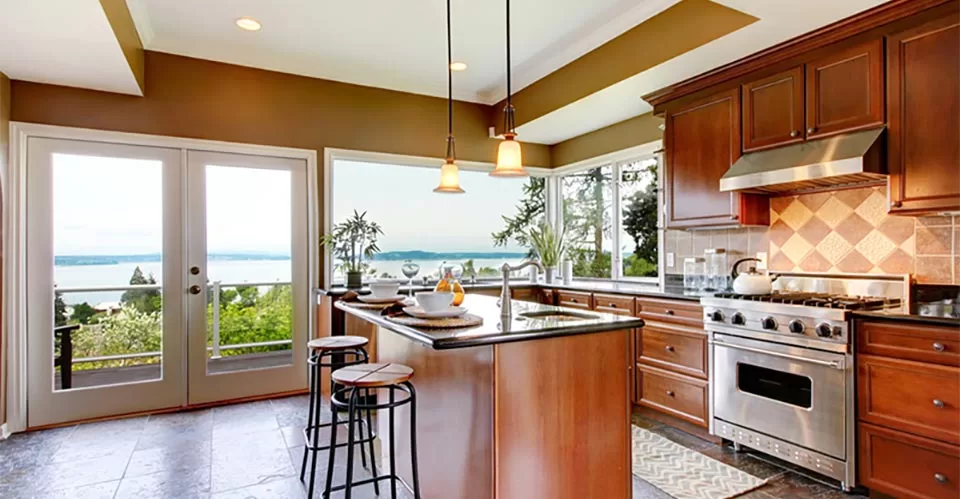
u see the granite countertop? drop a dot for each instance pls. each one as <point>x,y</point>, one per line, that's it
<point>899,316</point>
<point>587,286</point>
<point>493,331</point>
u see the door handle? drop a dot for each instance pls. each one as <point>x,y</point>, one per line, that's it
<point>194,270</point>
<point>834,364</point>
<point>195,289</point>
<point>938,403</point>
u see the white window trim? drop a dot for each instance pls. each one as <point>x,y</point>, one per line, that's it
<point>13,183</point>
<point>615,160</point>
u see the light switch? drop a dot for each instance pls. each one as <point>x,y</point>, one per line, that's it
<point>762,256</point>
<point>670,260</point>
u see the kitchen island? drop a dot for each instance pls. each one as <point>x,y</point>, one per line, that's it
<point>522,408</point>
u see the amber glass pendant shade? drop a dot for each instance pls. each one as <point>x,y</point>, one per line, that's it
<point>449,179</point>
<point>509,159</point>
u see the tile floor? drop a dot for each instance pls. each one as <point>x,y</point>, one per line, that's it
<point>246,451</point>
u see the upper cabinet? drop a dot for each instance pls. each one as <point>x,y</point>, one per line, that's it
<point>845,90</point>
<point>923,106</point>
<point>701,142</point>
<point>773,111</point>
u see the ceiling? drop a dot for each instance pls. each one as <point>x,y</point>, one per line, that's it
<point>390,44</point>
<point>64,42</point>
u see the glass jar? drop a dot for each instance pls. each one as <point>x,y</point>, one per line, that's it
<point>450,282</point>
<point>718,275</point>
<point>693,269</point>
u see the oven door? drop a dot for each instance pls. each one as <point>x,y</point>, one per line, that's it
<point>791,393</point>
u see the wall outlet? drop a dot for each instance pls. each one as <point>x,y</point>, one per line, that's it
<point>762,256</point>
<point>670,260</point>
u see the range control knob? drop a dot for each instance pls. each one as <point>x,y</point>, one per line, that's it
<point>796,326</point>
<point>769,323</point>
<point>738,319</point>
<point>824,330</point>
<point>716,316</point>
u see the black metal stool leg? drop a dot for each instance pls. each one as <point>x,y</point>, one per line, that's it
<point>313,393</point>
<point>413,439</point>
<point>393,449</point>
<point>314,442</point>
<point>332,455</point>
<point>373,459</point>
<point>351,421</point>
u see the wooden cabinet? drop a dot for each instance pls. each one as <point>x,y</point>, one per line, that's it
<point>702,141</point>
<point>844,90</point>
<point>908,408</point>
<point>923,105</point>
<point>908,466</point>
<point>680,396</point>
<point>772,111</point>
<point>613,304</point>
<point>678,349</point>
<point>574,299</point>
<point>658,310</point>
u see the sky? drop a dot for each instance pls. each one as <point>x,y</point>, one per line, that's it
<point>401,199</point>
<point>114,206</point>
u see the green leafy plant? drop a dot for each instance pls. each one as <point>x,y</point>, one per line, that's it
<point>353,240</point>
<point>549,245</point>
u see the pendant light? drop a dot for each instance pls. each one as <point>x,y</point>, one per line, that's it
<point>509,159</point>
<point>449,172</point>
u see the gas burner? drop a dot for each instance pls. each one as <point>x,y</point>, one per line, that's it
<point>821,300</point>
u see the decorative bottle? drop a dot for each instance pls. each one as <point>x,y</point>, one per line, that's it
<point>450,283</point>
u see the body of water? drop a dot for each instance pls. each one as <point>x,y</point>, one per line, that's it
<point>226,271</point>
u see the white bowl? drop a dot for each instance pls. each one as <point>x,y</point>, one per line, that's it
<point>432,301</point>
<point>384,289</point>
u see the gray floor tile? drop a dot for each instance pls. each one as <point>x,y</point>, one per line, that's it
<point>183,458</point>
<point>286,488</point>
<point>644,490</point>
<point>104,490</point>
<point>244,418</point>
<point>165,485</point>
<point>249,459</point>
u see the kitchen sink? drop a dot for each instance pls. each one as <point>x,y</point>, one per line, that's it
<point>556,316</point>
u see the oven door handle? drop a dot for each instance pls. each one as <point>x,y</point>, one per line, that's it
<point>833,364</point>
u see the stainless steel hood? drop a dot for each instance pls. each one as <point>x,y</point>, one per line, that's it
<point>843,160</point>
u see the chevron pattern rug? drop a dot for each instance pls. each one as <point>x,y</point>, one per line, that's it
<point>683,473</point>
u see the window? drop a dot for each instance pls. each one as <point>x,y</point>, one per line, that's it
<point>612,227</point>
<point>479,230</point>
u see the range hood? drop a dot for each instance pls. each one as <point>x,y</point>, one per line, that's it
<point>840,161</point>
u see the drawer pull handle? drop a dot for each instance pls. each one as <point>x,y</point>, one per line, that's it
<point>669,312</point>
<point>574,300</point>
<point>669,348</point>
<point>938,403</point>
<point>669,393</point>
<point>613,305</point>
<point>940,477</point>
<point>939,347</point>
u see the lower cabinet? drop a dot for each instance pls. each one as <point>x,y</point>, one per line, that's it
<point>908,466</point>
<point>683,397</point>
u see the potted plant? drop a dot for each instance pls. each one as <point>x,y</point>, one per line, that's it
<point>352,241</point>
<point>549,247</point>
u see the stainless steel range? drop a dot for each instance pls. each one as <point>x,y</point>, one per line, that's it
<point>781,365</point>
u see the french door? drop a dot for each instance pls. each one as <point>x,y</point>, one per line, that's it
<point>161,277</point>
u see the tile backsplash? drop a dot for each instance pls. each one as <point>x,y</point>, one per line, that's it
<point>845,231</point>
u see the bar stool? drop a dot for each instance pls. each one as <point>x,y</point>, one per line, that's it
<point>332,352</point>
<point>393,378</point>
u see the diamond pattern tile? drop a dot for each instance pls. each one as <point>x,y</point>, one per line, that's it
<point>779,261</point>
<point>897,229</point>
<point>852,197</point>
<point>815,262</point>
<point>873,209</point>
<point>780,232</point>
<point>834,211</point>
<point>898,262</point>
<point>854,228</point>
<point>875,247</point>
<point>796,214</point>
<point>855,262</point>
<point>796,248</point>
<point>780,204</point>
<point>814,230</point>
<point>834,247</point>
<point>814,201</point>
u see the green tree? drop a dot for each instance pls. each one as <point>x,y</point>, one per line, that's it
<point>82,313</point>
<point>586,218</point>
<point>530,212</point>
<point>128,330</point>
<point>640,223</point>
<point>59,310</point>
<point>144,300</point>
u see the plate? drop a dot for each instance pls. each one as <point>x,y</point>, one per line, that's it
<point>375,300</point>
<point>447,313</point>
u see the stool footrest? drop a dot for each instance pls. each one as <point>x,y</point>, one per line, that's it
<point>363,424</point>
<point>367,481</point>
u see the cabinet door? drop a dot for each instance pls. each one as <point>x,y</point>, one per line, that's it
<point>773,110</point>
<point>923,102</point>
<point>845,90</point>
<point>702,141</point>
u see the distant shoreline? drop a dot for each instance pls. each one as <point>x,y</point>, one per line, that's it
<point>387,256</point>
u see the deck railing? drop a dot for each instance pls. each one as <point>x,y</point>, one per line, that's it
<point>216,348</point>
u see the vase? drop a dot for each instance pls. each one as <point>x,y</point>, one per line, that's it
<point>550,271</point>
<point>354,280</point>
<point>567,272</point>
<point>534,275</point>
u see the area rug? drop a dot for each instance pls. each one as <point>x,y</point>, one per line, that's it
<point>683,473</point>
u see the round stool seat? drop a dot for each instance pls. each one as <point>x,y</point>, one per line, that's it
<point>373,375</point>
<point>333,343</point>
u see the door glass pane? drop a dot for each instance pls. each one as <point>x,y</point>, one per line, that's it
<point>587,219</point>
<point>781,386</point>
<point>638,233</point>
<point>249,292</point>
<point>108,254</point>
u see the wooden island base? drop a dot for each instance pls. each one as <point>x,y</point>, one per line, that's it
<point>529,419</point>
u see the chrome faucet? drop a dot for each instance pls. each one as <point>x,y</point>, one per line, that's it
<point>506,311</point>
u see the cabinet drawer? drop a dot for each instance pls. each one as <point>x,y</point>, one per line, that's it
<point>574,299</point>
<point>940,345</point>
<point>677,395</point>
<point>908,466</point>
<point>613,304</point>
<point>674,348</point>
<point>910,396</point>
<point>676,312</point>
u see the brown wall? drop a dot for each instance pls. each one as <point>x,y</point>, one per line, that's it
<point>616,137</point>
<point>4,154</point>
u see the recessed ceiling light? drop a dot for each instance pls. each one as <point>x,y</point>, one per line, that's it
<point>248,23</point>
<point>458,66</point>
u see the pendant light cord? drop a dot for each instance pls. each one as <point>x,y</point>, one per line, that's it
<point>508,53</point>
<point>508,114</point>
<point>451,147</point>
